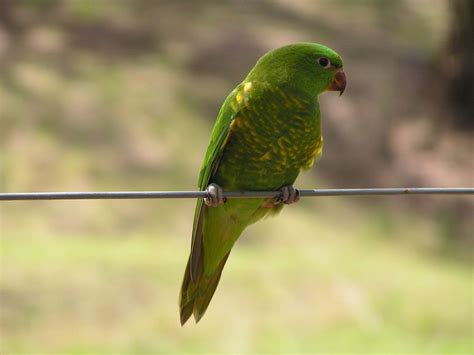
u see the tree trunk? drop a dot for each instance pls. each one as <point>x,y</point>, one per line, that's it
<point>457,64</point>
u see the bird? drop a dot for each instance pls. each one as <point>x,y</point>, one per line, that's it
<point>266,132</point>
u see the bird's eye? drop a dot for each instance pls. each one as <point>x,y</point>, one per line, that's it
<point>324,62</point>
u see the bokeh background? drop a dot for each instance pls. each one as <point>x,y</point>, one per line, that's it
<point>122,95</point>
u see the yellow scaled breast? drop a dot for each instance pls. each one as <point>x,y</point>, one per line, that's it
<point>271,139</point>
<point>315,154</point>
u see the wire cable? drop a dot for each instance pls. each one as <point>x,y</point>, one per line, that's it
<point>120,195</point>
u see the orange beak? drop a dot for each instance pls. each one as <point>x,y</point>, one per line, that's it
<point>339,82</point>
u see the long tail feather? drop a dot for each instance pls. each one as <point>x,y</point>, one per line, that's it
<point>196,296</point>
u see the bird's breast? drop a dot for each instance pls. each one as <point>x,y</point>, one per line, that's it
<point>269,144</point>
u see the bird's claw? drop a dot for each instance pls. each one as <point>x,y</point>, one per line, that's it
<point>215,196</point>
<point>288,195</point>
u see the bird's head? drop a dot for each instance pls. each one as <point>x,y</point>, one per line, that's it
<point>309,68</point>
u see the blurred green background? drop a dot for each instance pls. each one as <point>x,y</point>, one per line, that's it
<point>122,95</point>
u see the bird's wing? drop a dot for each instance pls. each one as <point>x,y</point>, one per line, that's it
<point>220,135</point>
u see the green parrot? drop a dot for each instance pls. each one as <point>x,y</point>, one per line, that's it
<point>267,131</point>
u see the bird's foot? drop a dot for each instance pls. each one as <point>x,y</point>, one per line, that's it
<point>288,195</point>
<point>215,196</point>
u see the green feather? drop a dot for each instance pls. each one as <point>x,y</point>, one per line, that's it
<point>219,136</point>
<point>266,132</point>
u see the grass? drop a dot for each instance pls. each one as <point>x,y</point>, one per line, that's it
<point>302,282</point>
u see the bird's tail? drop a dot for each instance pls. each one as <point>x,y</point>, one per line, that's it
<point>196,295</point>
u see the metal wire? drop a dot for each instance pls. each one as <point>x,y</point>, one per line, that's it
<point>28,196</point>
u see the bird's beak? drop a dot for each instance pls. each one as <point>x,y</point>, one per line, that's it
<point>339,82</point>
